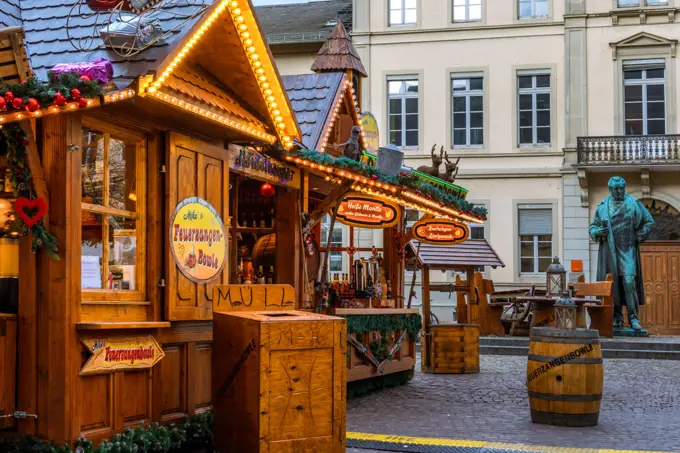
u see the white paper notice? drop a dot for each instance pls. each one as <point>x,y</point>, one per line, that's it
<point>89,272</point>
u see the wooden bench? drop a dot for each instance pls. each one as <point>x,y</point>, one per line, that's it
<point>601,313</point>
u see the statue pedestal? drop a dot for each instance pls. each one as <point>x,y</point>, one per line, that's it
<point>629,332</point>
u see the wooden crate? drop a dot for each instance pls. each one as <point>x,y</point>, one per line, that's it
<point>279,382</point>
<point>452,348</point>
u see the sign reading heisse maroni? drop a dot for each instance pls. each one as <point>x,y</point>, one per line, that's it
<point>440,232</point>
<point>359,211</point>
<point>121,353</point>
<point>198,240</point>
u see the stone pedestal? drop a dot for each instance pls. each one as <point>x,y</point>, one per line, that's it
<point>629,332</point>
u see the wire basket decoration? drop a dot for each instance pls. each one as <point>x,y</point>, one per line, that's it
<point>128,27</point>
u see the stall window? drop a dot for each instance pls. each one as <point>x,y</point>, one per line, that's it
<point>644,94</point>
<point>535,238</point>
<point>112,219</point>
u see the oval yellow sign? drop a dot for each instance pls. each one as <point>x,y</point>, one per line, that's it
<point>198,240</point>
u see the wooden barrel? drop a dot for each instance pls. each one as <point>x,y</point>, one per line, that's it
<point>265,249</point>
<point>565,376</point>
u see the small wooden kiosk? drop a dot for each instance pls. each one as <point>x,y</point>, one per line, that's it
<point>453,348</point>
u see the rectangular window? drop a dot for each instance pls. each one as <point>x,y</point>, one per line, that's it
<point>403,12</point>
<point>335,261</point>
<point>532,9</point>
<point>534,108</point>
<point>630,3</point>
<point>535,238</point>
<point>468,111</point>
<point>644,97</point>
<point>402,111</point>
<point>467,10</point>
<point>112,219</point>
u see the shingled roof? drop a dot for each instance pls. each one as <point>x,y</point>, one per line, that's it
<point>311,96</point>
<point>10,13</point>
<point>303,22</point>
<point>338,53</point>
<point>471,253</point>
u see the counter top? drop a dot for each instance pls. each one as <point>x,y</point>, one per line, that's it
<point>376,311</point>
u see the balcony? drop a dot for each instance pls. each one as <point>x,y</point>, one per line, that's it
<point>633,149</point>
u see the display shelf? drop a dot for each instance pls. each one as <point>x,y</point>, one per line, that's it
<point>113,325</point>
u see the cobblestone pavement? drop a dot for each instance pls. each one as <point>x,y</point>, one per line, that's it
<point>640,407</point>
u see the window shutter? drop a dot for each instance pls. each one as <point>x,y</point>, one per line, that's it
<point>535,222</point>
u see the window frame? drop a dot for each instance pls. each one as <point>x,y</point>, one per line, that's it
<point>642,4</point>
<point>467,12</point>
<point>467,94</point>
<point>403,97</point>
<point>403,10</point>
<point>644,82</point>
<point>139,140</point>
<point>534,91</point>
<point>528,205</point>
<point>533,16</point>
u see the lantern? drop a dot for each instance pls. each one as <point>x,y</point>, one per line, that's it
<point>565,312</point>
<point>555,279</point>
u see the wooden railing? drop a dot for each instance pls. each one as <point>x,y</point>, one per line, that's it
<point>645,149</point>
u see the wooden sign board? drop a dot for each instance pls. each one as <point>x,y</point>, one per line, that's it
<point>248,162</point>
<point>371,133</point>
<point>121,354</point>
<point>253,298</point>
<point>440,231</point>
<point>360,211</point>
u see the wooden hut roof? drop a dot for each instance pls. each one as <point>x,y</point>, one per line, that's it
<point>471,253</point>
<point>338,53</point>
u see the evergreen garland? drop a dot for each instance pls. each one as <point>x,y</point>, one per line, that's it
<point>46,92</point>
<point>13,143</point>
<point>405,179</point>
<point>358,324</point>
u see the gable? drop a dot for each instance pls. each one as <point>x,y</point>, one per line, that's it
<point>642,40</point>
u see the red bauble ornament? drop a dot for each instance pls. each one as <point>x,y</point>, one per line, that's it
<point>82,103</point>
<point>75,94</point>
<point>32,105</point>
<point>3,104</point>
<point>9,96</point>
<point>267,190</point>
<point>17,103</point>
<point>59,99</point>
<point>30,211</point>
<point>374,177</point>
<point>85,78</point>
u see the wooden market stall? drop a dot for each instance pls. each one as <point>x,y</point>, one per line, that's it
<point>117,330</point>
<point>454,348</point>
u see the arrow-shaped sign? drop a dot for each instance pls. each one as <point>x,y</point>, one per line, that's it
<point>120,354</point>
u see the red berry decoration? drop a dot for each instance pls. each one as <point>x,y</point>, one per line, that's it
<point>59,99</point>
<point>267,190</point>
<point>18,103</point>
<point>82,103</point>
<point>32,105</point>
<point>3,104</point>
<point>85,78</point>
<point>75,94</point>
<point>9,96</point>
<point>374,177</point>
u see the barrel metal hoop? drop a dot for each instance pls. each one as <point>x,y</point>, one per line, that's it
<point>570,398</point>
<point>583,341</point>
<point>576,361</point>
<point>556,419</point>
<point>564,333</point>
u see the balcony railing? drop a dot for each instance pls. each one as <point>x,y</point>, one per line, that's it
<point>642,149</point>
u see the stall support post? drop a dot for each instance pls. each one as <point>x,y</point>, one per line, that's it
<point>59,284</point>
<point>473,303</point>
<point>27,348</point>
<point>288,245</point>
<point>425,337</point>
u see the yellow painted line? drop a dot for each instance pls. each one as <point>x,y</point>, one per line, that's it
<point>480,444</point>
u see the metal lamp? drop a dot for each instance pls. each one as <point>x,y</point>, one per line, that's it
<point>555,279</point>
<point>565,312</point>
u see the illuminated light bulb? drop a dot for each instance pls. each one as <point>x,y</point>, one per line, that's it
<point>281,126</point>
<point>236,11</point>
<point>240,19</point>
<point>248,42</point>
<point>278,118</point>
<point>264,85</point>
<point>259,71</point>
<point>243,27</point>
<point>233,4</point>
<point>263,78</point>
<point>245,34</point>
<point>257,64</point>
<point>276,112</point>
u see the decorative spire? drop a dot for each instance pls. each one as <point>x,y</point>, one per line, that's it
<point>338,53</point>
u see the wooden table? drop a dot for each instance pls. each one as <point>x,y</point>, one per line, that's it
<point>544,313</point>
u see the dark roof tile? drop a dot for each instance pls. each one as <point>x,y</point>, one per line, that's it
<point>10,13</point>
<point>473,252</point>
<point>303,21</point>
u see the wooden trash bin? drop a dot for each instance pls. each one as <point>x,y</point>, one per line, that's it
<point>565,376</point>
<point>279,381</point>
<point>453,349</point>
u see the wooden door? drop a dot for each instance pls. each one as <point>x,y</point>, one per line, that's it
<point>661,276</point>
<point>195,169</point>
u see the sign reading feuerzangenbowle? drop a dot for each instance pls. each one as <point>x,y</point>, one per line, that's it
<point>198,240</point>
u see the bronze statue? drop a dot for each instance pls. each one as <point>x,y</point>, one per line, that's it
<point>436,163</point>
<point>451,169</point>
<point>620,224</point>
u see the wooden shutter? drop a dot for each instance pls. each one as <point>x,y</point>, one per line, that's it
<point>195,169</point>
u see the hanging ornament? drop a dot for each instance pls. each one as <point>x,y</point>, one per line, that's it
<point>17,103</point>
<point>9,96</point>
<point>32,105</point>
<point>60,99</point>
<point>3,104</point>
<point>374,177</point>
<point>30,211</point>
<point>82,103</point>
<point>75,94</point>
<point>267,190</point>
<point>85,78</point>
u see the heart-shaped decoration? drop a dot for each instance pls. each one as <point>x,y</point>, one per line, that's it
<point>30,211</point>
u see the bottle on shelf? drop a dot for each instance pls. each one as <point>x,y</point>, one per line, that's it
<point>263,223</point>
<point>343,285</point>
<point>272,217</point>
<point>8,182</point>
<point>389,290</point>
<point>260,276</point>
<point>383,288</point>
<point>270,276</point>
